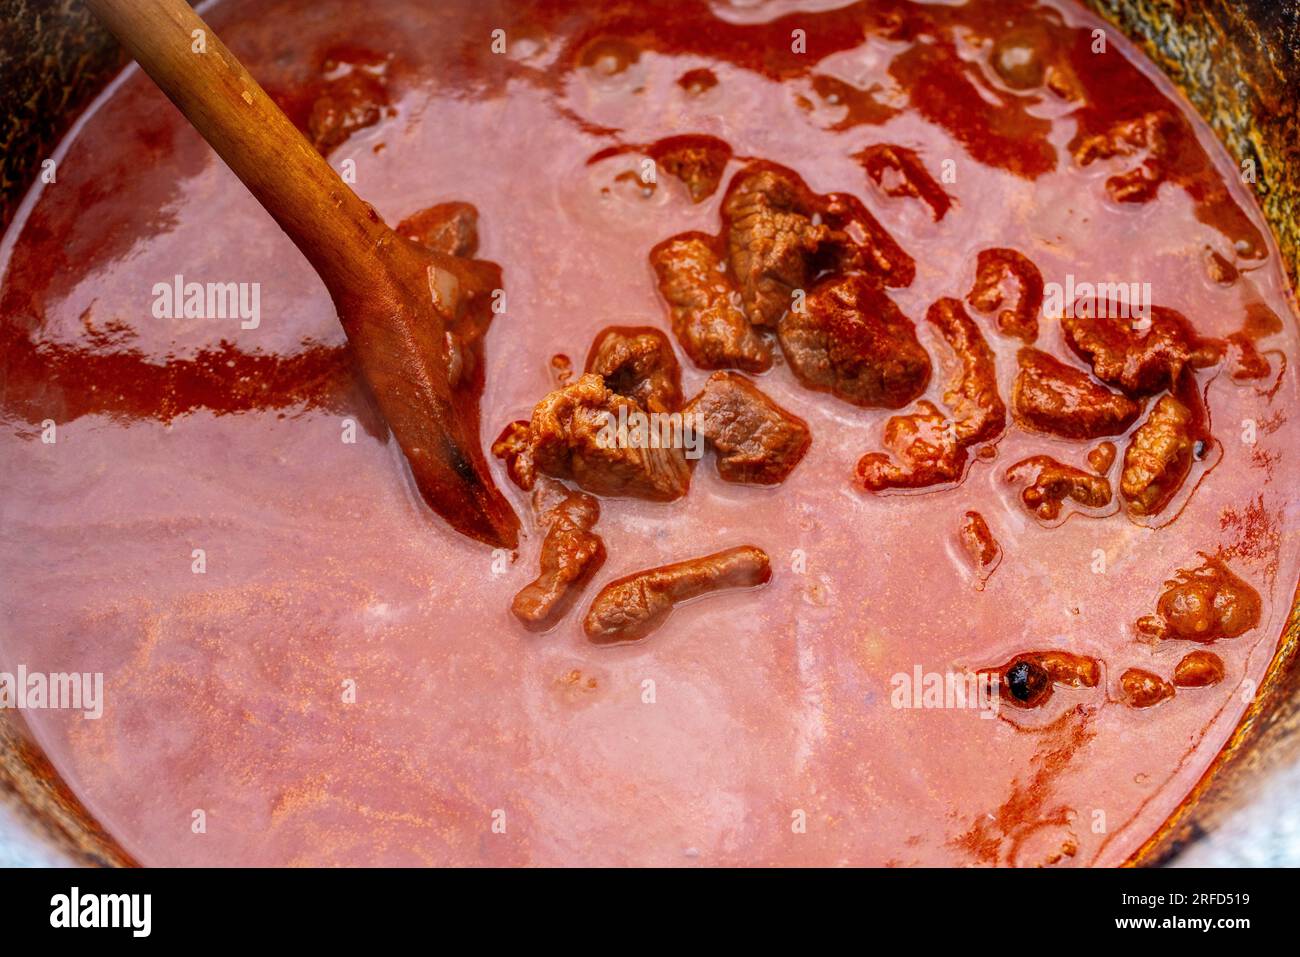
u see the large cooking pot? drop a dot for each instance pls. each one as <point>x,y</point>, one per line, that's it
<point>1238,61</point>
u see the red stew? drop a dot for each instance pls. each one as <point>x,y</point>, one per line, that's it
<point>873,244</point>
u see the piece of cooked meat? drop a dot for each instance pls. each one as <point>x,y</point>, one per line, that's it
<point>638,362</point>
<point>1050,396</point>
<point>1158,458</point>
<point>632,607</point>
<point>767,217</point>
<point>571,553</point>
<point>925,452</point>
<point>1137,358</point>
<point>993,269</point>
<point>755,440</point>
<point>450,228</point>
<point>1204,604</point>
<point>979,414</point>
<point>1049,483</point>
<point>707,317</point>
<point>697,160</point>
<point>575,434</point>
<point>850,340</point>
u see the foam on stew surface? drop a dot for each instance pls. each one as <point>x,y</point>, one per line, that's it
<point>344,682</point>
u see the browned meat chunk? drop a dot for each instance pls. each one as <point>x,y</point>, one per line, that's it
<point>571,554</point>
<point>706,313</point>
<point>1102,457</point>
<point>972,394</point>
<point>1204,604</point>
<point>1158,458</point>
<point>1140,362</point>
<point>928,448</point>
<point>767,218</point>
<point>1049,483</point>
<point>450,228</point>
<point>858,243</point>
<point>353,96</point>
<point>1145,137</point>
<point>638,362</point>
<point>1026,681</point>
<point>1198,669</point>
<point>514,446</point>
<point>630,608</point>
<point>899,172</point>
<point>925,452</point>
<point>697,160</point>
<point>980,546</point>
<point>1070,670</point>
<point>850,340</point>
<point>993,270</point>
<point>756,441</point>
<point>561,369</point>
<point>1049,396</point>
<point>1142,689</point>
<point>587,433</point>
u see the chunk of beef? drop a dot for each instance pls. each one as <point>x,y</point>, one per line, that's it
<point>927,447</point>
<point>978,411</point>
<point>514,446</point>
<point>850,340</point>
<point>450,228</point>
<point>632,607</point>
<point>858,243</point>
<point>756,441</point>
<point>981,548</point>
<point>571,553</point>
<point>899,171</point>
<point>697,160</point>
<point>1203,604</point>
<point>1102,457</point>
<point>353,96</point>
<point>767,218</point>
<point>925,452</point>
<point>994,268</point>
<point>1049,396</point>
<point>1027,680</point>
<point>1146,137</point>
<point>561,369</point>
<point>707,316</point>
<point>1070,670</point>
<point>1142,689</point>
<point>1049,483</point>
<point>1158,458</point>
<point>638,362</point>
<point>1139,361</point>
<point>576,433</point>
<point>1198,669</point>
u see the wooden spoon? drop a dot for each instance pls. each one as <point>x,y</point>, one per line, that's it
<point>415,318</point>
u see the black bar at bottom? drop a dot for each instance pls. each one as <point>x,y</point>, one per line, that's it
<point>978,908</point>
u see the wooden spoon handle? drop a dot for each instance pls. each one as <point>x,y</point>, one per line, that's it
<point>336,231</point>
<point>408,312</point>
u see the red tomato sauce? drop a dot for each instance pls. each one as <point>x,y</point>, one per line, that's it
<point>343,683</point>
